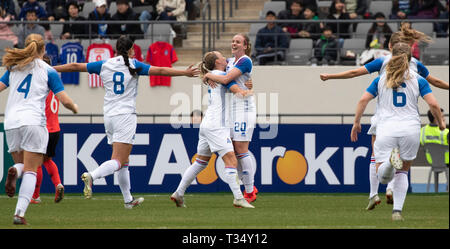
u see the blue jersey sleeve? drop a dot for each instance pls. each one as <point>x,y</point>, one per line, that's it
<point>373,88</point>
<point>422,70</point>
<point>244,65</point>
<point>94,67</point>
<point>54,81</point>
<point>141,67</point>
<point>5,78</point>
<point>229,85</point>
<point>375,65</point>
<point>424,86</point>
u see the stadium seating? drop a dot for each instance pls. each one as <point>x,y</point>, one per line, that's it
<point>355,45</point>
<point>5,44</point>
<point>384,7</point>
<point>254,27</point>
<point>436,53</point>
<point>159,32</point>
<point>88,7</point>
<point>276,7</point>
<point>56,30</point>
<point>361,30</point>
<point>425,27</point>
<point>300,51</point>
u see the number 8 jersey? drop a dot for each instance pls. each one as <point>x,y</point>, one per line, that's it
<point>120,86</point>
<point>397,109</point>
<point>28,90</point>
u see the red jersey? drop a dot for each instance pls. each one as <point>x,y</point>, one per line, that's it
<point>98,52</point>
<point>51,112</point>
<point>161,54</point>
<point>138,53</point>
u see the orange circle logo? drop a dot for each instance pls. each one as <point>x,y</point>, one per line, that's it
<point>208,175</point>
<point>292,167</point>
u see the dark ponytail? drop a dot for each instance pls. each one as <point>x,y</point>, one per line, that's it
<point>123,45</point>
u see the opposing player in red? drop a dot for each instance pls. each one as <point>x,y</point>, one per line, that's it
<point>51,113</point>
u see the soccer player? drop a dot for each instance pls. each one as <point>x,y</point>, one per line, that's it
<point>398,121</point>
<point>51,114</point>
<point>239,69</point>
<point>214,134</point>
<point>120,76</point>
<point>30,80</point>
<point>409,36</point>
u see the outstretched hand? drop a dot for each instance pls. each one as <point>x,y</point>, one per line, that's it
<point>192,71</point>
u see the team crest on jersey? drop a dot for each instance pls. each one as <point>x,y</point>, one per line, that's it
<point>166,52</point>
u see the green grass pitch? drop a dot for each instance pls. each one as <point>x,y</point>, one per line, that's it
<point>215,211</point>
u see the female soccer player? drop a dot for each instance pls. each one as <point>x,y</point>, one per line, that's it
<point>398,121</point>
<point>214,134</point>
<point>120,77</point>
<point>30,80</point>
<point>239,69</point>
<point>409,36</point>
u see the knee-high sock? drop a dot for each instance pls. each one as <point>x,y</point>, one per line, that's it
<point>385,172</point>
<point>53,172</point>
<point>25,192</point>
<point>123,176</point>
<point>400,189</point>
<point>391,184</point>
<point>19,168</point>
<point>231,179</point>
<point>105,169</point>
<point>37,188</point>
<point>373,180</point>
<point>190,174</point>
<point>248,173</point>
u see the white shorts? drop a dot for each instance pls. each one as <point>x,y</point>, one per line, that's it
<point>243,126</point>
<point>32,138</point>
<point>407,145</point>
<point>214,140</point>
<point>121,128</point>
<point>373,126</point>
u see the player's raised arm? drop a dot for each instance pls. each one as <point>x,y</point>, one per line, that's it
<point>437,82</point>
<point>345,75</point>
<point>167,71</point>
<point>71,67</point>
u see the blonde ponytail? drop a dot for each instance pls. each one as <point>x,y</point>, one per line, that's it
<point>20,58</point>
<point>398,65</point>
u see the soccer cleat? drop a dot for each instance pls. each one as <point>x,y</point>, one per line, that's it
<point>389,198</point>
<point>178,199</point>
<point>395,160</point>
<point>134,203</point>
<point>250,197</point>
<point>35,201</point>
<point>19,220</point>
<point>397,216</point>
<point>242,203</point>
<point>87,179</point>
<point>59,193</point>
<point>10,184</point>
<point>375,200</point>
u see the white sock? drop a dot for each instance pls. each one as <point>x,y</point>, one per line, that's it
<point>19,168</point>
<point>190,174</point>
<point>105,169</point>
<point>385,172</point>
<point>391,184</point>
<point>400,188</point>
<point>231,178</point>
<point>373,179</point>
<point>123,176</point>
<point>26,192</point>
<point>248,173</point>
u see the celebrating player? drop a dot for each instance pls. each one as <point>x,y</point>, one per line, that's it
<point>214,134</point>
<point>30,80</point>
<point>239,69</point>
<point>405,35</point>
<point>120,77</point>
<point>398,121</point>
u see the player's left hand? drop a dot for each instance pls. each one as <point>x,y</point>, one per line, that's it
<point>355,130</point>
<point>249,84</point>
<point>208,82</point>
<point>192,71</point>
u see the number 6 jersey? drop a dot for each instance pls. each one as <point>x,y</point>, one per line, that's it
<point>28,90</point>
<point>120,86</point>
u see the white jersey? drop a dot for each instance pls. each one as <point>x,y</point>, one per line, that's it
<point>245,65</point>
<point>29,88</point>
<point>219,103</point>
<point>397,109</point>
<point>120,86</point>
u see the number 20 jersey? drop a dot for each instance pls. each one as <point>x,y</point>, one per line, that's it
<point>120,86</point>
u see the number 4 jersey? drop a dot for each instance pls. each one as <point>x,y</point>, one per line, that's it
<point>29,88</point>
<point>120,86</point>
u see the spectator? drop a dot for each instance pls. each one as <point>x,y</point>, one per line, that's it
<point>171,10</point>
<point>100,13</point>
<point>310,30</point>
<point>71,31</point>
<point>379,34</point>
<point>5,32</point>
<point>356,9</point>
<point>338,12</point>
<point>29,28</point>
<point>442,28</point>
<point>271,41</point>
<point>295,12</point>
<point>125,13</point>
<point>401,9</point>
<point>431,133</point>
<point>148,14</point>
<point>9,7</point>
<point>56,10</point>
<point>33,4</point>
<point>425,9</point>
<point>325,49</point>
